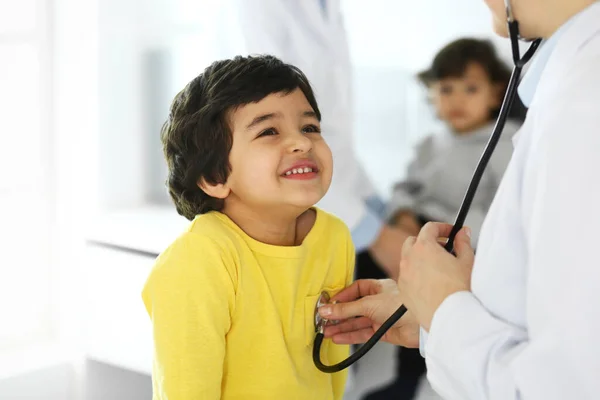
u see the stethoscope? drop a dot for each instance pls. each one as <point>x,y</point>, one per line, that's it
<point>511,92</point>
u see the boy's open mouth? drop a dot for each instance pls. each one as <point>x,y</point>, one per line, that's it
<point>302,170</point>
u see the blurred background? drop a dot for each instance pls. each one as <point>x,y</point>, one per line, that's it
<point>84,88</point>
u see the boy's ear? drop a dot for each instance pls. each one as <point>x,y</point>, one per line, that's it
<point>219,190</point>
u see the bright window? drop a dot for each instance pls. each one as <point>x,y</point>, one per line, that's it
<point>25,206</point>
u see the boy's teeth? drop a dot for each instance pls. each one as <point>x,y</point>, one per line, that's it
<point>299,171</point>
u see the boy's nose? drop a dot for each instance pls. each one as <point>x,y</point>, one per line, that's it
<point>299,143</point>
<point>459,98</point>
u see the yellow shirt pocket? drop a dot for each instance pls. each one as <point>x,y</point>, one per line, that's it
<point>310,307</point>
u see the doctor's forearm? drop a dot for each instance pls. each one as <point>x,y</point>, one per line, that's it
<point>471,354</point>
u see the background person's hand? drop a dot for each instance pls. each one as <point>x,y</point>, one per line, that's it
<point>362,308</point>
<point>387,249</point>
<point>407,221</point>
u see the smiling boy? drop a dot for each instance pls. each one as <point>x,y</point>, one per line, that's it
<point>232,299</point>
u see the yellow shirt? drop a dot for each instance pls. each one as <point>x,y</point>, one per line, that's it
<point>233,318</point>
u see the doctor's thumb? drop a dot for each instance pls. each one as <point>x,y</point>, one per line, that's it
<point>462,246</point>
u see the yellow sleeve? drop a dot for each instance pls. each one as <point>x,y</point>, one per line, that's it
<point>339,378</point>
<point>190,297</point>
<point>351,254</point>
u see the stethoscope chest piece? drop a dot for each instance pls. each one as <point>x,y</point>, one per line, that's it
<point>320,322</point>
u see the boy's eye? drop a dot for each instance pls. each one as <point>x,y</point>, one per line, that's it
<point>268,132</point>
<point>446,89</point>
<point>311,129</point>
<point>472,89</point>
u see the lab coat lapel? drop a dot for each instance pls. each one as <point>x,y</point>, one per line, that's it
<point>566,49</point>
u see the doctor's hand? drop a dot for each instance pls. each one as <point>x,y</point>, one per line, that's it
<point>362,308</point>
<point>429,274</point>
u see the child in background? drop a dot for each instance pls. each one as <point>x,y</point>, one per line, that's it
<point>232,300</point>
<point>466,84</point>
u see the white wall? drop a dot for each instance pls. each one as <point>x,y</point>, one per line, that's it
<point>147,51</point>
<point>75,84</point>
<point>408,33</point>
<point>390,41</point>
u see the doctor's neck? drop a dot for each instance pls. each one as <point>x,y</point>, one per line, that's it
<point>555,14</point>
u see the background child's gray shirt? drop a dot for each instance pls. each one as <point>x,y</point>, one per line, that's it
<point>439,175</point>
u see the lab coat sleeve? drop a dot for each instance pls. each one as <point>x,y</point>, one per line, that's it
<point>368,228</point>
<point>263,27</point>
<point>190,298</point>
<point>366,231</point>
<point>471,353</point>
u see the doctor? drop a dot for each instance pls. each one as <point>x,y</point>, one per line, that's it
<point>523,322</point>
<point>310,34</point>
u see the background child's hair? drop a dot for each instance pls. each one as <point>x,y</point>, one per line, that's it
<point>453,60</point>
<point>197,136</point>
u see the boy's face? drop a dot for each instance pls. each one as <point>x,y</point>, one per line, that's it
<point>278,157</point>
<point>465,103</point>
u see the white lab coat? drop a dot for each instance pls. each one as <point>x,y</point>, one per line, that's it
<point>530,329</point>
<point>298,32</point>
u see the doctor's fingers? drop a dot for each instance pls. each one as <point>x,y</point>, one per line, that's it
<point>349,326</point>
<point>364,287</point>
<point>351,309</point>
<point>376,307</point>
<point>354,337</point>
<point>406,248</point>
<point>462,247</point>
<point>359,330</point>
<point>431,231</point>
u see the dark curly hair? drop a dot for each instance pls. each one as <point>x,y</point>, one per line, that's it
<point>197,138</point>
<point>453,59</point>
